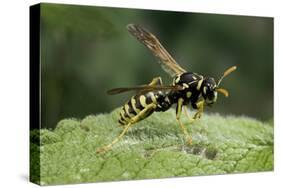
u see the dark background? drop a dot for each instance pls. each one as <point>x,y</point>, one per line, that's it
<point>86,51</point>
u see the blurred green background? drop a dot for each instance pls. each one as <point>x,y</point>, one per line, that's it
<point>86,51</point>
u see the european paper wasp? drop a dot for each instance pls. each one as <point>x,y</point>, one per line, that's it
<point>187,88</point>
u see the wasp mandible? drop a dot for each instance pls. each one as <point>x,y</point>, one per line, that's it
<point>187,88</point>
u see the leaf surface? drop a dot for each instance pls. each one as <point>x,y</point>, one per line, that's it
<point>153,148</point>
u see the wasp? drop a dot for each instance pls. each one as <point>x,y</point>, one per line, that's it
<point>187,88</point>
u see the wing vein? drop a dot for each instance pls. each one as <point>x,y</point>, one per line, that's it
<point>151,42</point>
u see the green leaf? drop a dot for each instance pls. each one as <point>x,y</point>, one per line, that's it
<point>152,148</point>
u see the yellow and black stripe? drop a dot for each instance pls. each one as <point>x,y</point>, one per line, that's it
<point>136,104</point>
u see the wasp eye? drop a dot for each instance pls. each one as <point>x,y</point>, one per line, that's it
<point>210,95</point>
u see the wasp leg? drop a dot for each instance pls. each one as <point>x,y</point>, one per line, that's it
<point>156,81</point>
<point>200,106</point>
<point>178,113</point>
<point>190,119</point>
<point>134,119</point>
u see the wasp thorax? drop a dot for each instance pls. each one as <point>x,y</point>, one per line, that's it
<point>187,79</point>
<point>209,92</point>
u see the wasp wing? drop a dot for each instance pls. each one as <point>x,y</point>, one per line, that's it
<point>143,89</point>
<point>151,42</point>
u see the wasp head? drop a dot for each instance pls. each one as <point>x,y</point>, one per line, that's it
<point>209,90</point>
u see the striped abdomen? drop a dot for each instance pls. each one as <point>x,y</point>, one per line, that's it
<point>136,104</point>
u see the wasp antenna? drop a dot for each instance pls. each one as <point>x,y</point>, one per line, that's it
<point>223,91</point>
<point>227,72</point>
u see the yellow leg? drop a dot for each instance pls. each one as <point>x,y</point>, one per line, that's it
<point>108,147</point>
<point>200,106</point>
<point>179,108</point>
<point>190,119</point>
<point>156,81</point>
<point>135,119</point>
